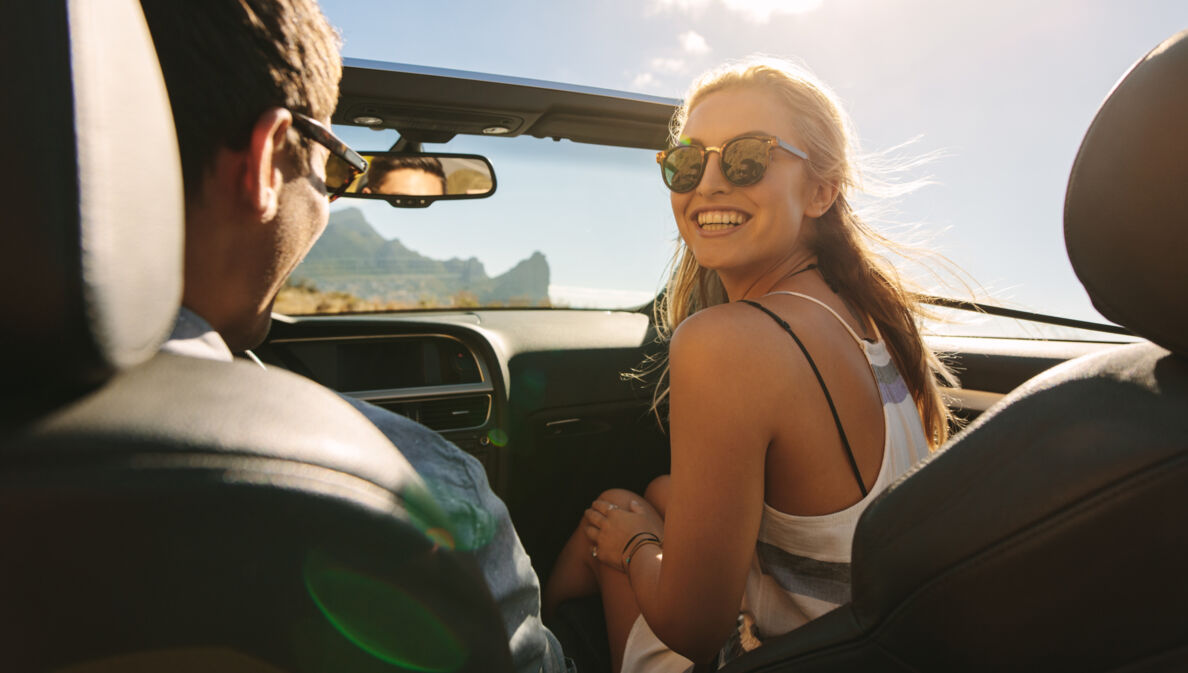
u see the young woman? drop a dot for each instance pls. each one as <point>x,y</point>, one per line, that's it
<point>799,386</point>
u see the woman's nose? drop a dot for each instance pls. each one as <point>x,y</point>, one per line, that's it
<point>712,179</point>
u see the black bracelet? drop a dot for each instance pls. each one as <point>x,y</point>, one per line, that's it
<point>642,543</point>
<point>633,539</point>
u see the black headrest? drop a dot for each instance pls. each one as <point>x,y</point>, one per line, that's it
<point>1126,212</point>
<point>91,242</point>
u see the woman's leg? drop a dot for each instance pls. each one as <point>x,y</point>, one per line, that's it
<point>657,493</point>
<point>573,575</point>
<point>578,573</point>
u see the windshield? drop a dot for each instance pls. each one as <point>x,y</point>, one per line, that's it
<point>1001,92</point>
<point>570,226</point>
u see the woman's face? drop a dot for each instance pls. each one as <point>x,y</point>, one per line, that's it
<point>750,230</point>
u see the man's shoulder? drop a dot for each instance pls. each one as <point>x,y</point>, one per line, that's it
<point>428,451</point>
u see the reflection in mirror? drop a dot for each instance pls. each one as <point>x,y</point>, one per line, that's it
<point>424,175</point>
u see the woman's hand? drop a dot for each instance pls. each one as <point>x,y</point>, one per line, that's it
<point>610,525</point>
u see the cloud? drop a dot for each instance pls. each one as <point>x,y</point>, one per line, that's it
<point>693,43</point>
<point>757,11</point>
<point>664,70</point>
<point>669,65</point>
<point>644,80</point>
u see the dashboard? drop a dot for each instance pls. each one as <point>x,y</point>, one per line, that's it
<point>435,379</point>
<point>544,399</point>
<point>538,396</point>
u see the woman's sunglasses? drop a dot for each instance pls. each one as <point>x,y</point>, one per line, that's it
<point>743,161</point>
<point>343,165</point>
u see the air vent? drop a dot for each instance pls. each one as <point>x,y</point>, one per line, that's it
<point>450,413</point>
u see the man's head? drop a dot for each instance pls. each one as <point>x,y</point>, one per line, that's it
<point>237,71</point>
<point>406,175</point>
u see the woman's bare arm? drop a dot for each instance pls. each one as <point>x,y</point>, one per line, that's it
<point>721,428</point>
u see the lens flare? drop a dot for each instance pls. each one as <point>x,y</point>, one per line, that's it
<point>382,619</point>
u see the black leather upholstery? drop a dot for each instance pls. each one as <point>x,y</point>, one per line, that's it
<point>89,147</point>
<point>1049,534</point>
<point>1126,210</point>
<point>159,508</point>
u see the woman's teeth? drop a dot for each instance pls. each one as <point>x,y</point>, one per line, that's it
<point>719,220</point>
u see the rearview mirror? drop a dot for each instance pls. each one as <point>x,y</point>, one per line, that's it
<point>415,180</point>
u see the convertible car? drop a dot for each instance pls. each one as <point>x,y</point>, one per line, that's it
<point>162,512</point>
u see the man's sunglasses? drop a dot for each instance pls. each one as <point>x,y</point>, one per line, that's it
<point>343,165</point>
<point>743,161</point>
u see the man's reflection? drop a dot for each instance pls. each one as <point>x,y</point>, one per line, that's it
<point>405,176</point>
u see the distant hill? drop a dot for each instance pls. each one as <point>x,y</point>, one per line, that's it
<point>352,257</point>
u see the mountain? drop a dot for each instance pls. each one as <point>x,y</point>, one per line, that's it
<point>352,257</point>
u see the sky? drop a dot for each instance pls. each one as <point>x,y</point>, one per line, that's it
<point>1002,91</point>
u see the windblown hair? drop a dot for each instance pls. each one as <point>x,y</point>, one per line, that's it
<point>843,242</point>
<point>227,61</point>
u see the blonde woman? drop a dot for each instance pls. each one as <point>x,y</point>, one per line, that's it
<point>799,386</point>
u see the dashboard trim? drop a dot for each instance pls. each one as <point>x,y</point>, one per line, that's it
<point>422,392</point>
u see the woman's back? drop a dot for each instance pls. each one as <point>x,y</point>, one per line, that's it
<point>808,470</point>
<point>801,564</point>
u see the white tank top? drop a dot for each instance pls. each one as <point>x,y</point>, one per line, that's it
<point>801,566</point>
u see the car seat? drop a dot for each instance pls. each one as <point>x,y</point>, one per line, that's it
<point>1050,534</point>
<point>160,512</point>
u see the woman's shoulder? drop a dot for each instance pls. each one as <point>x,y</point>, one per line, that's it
<point>753,334</point>
<point>741,318</point>
<point>725,334</point>
<point>733,320</point>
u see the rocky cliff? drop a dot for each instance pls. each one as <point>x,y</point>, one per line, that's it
<point>352,257</point>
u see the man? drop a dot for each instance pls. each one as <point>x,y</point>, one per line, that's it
<point>252,84</point>
<point>405,176</point>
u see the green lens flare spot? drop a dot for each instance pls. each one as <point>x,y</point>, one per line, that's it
<point>497,437</point>
<point>382,619</point>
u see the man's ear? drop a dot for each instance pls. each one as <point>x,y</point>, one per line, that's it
<point>262,178</point>
<point>824,194</point>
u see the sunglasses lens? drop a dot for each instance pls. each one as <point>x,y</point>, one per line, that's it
<point>682,168</point>
<point>339,173</point>
<point>744,160</point>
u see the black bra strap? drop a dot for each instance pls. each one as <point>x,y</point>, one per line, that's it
<point>828,397</point>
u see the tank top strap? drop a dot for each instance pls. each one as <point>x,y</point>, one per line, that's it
<point>824,389</point>
<point>860,341</point>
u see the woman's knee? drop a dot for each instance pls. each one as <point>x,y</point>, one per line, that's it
<point>657,493</point>
<point>619,497</point>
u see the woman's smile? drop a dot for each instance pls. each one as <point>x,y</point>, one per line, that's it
<point>719,220</point>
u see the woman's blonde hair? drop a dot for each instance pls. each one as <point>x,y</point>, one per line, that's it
<point>843,243</point>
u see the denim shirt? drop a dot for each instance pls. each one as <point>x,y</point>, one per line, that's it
<point>482,524</point>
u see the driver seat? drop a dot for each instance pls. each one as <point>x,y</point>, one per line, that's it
<point>162,512</point>
<point>1050,534</point>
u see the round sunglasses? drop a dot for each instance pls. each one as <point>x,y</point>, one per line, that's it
<point>743,161</point>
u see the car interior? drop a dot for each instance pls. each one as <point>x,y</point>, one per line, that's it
<point>163,509</point>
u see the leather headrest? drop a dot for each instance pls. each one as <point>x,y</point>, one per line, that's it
<point>1126,212</point>
<point>91,242</point>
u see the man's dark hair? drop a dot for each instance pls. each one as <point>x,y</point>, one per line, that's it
<point>382,165</point>
<point>227,61</point>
